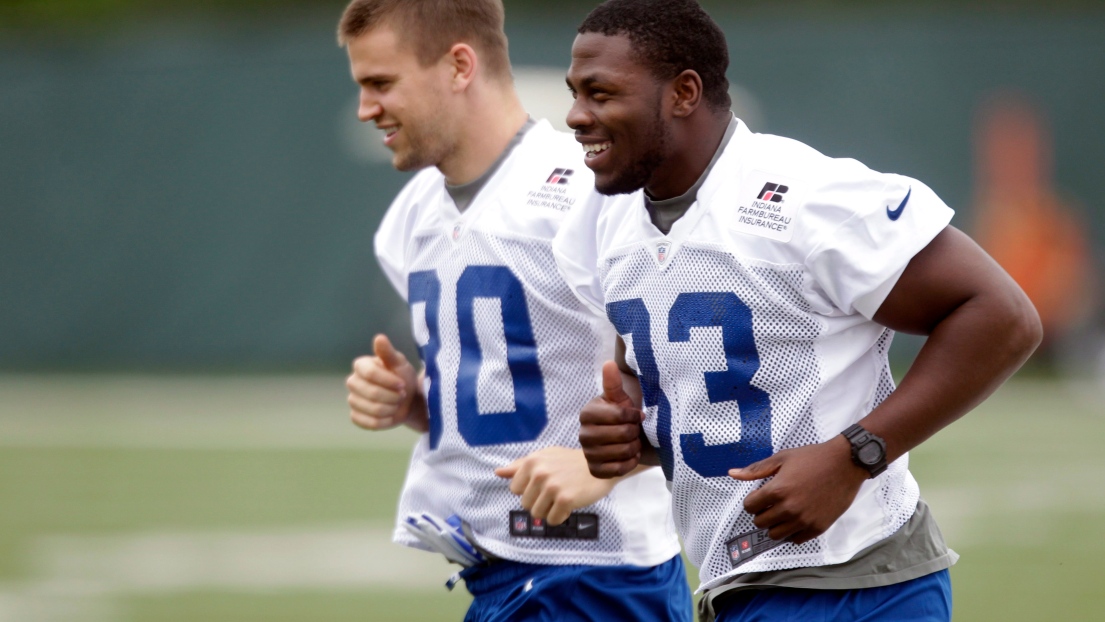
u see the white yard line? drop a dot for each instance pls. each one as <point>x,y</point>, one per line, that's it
<point>334,558</point>
<point>80,578</point>
<point>1013,514</point>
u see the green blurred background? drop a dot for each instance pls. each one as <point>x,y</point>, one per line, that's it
<point>186,211</point>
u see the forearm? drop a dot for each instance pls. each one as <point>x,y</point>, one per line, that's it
<point>419,417</point>
<point>967,357</point>
<point>981,328</point>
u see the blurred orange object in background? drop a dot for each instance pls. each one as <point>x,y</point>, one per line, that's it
<point>1037,235</point>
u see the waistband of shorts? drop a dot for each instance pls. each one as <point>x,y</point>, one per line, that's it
<point>489,577</point>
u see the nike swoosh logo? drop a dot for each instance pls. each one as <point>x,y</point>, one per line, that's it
<point>895,214</point>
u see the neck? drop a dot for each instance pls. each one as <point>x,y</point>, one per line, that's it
<point>694,142</point>
<point>490,118</point>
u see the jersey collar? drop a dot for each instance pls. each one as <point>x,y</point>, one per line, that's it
<point>665,247</point>
<point>457,222</point>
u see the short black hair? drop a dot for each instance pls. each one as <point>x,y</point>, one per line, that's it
<point>671,36</point>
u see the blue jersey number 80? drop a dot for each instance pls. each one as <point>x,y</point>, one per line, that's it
<point>701,309</point>
<point>529,416</point>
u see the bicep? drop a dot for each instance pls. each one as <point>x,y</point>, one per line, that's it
<point>948,273</point>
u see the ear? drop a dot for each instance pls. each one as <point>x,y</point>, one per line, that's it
<point>687,93</point>
<point>463,64</point>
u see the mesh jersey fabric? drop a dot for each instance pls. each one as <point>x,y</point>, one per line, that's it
<point>749,326</point>
<point>511,355</point>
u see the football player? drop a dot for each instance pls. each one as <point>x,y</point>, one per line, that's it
<point>509,354</point>
<point>756,285</point>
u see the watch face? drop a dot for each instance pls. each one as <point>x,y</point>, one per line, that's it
<point>870,453</point>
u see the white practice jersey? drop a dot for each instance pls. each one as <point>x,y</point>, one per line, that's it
<point>749,326</point>
<point>511,356</point>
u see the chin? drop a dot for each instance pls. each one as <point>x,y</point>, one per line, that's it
<point>407,162</point>
<point>624,184</point>
<point>417,155</point>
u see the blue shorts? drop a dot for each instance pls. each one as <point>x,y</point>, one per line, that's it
<point>508,590</point>
<point>924,599</point>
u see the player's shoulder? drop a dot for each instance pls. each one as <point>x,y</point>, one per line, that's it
<point>426,183</point>
<point>411,210</point>
<point>544,181</point>
<point>793,158</point>
<point>783,170</point>
<point>548,150</point>
<point>604,224</point>
<point>413,201</point>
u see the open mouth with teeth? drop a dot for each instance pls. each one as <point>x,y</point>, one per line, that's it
<point>593,150</point>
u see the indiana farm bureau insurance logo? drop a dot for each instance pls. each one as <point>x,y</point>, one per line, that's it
<point>772,192</point>
<point>769,213</point>
<point>559,176</point>
<point>554,192</point>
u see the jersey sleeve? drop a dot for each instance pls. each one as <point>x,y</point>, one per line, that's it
<point>390,241</point>
<point>871,225</point>
<point>575,249</point>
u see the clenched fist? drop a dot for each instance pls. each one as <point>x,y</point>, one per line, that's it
<point>384,391</point>
<point>610,428</point>
<point>554,482</point>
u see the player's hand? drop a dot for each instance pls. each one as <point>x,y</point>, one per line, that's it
<point>810,488</point>
<point>383,389</point>
<point>610,428</point>
<point>553,482</point>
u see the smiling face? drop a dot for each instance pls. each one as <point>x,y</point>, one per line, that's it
<point>405,99</point>
<point>618,114</point>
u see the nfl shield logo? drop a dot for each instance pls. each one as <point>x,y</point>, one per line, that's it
<point>456,231</point>
<point>520,524</point>
<point>662,252</point>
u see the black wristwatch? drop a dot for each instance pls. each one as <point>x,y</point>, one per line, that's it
<point>868,450</point>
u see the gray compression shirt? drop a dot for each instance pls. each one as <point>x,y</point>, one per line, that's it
<point>915,550</point>
<point>463,194</point>
<point>664,213</point>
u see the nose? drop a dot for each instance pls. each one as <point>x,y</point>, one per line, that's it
<point>369,108</point>
<point>578,116</point>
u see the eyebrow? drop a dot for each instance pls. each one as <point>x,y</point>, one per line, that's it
<point>376,77</point>
<point>585,82</point>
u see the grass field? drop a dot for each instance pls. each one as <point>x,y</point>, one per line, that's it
<point>241,499</point>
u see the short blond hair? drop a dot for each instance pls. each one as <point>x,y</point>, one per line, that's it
<point>432,27</point>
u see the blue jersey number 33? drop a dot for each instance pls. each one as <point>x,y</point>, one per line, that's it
<point>697,310</point>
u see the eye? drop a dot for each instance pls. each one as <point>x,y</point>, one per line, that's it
<point>572,92</point>
<point>378,85</point>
